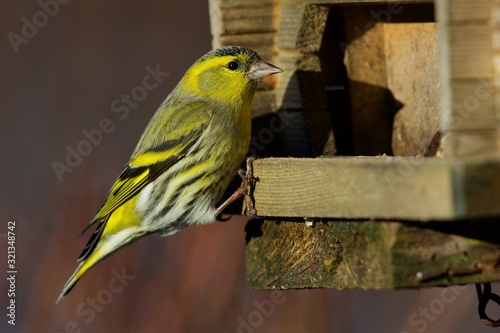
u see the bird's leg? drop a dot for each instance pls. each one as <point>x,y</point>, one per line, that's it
<point>248,181</point>
<point>245,189</point>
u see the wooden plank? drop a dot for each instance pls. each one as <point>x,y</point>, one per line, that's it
<point>416,123</point>
<point>394,109</point>
<point>470,143</point>
<point>310,80</point>
<point>290,20</point>
<point>471,51</point>
<point>473,106</point>
<point>361,2</point>
<point>468,98</point>
<point>480,188</point>
<point>353,188</point>
<point>293,138</point>
<point>311,29</point>
<point>313,94</point>
<point>231,17</point>
<point>300,38</point>
<point>302,87</point>
<point>372,118</point>
<point>370,255</point>
<point>467,11</point>
<point>376,187</point>
<point>287,87</point>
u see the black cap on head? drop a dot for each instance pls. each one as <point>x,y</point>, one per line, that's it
<point>233,51</point>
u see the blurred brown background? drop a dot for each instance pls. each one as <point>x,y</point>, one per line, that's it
<point>63,80</point>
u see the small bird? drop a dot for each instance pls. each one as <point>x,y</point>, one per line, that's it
<point>185,159</point>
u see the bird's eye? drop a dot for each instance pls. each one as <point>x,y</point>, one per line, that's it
<point>233,65</point>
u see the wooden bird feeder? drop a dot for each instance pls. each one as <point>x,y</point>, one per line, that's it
<point>379,157</point>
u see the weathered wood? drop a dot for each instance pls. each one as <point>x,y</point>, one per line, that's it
<point>468,11</point>
<point>380,61</point>
<point>468,105</point>
<point>471,143</point>
<point>233,17</point>
<point>473,106</point>
<point>312,26</point>
<point>287,88</point>
<point>394,107</point>
<point>301,88</point>
<point>416,124</point>
<point>292,13</point>
<point>290,21</point>
<point>377,187</point>
<point>370,255</point>
<point>372,114</point>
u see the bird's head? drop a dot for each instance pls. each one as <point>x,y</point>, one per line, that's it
<point>227,73</point>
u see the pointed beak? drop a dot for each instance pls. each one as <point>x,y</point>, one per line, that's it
<point>262,69</point>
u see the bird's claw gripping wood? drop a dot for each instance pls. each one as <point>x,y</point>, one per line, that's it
<point>245,190</point>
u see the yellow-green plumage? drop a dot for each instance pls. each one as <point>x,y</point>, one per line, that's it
<point>185,158</point>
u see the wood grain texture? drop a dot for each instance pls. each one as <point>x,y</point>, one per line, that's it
<point>370,255</point>
<point>394,108</point>
<point>287,87</point>
<point>471,143</point>
<point>372,119</point>
<point>468,109</point>
<point>377,187</point>
<point>471,51</point>
<point>473,104</point>
<point>290,19</point>
<point>232,17</point>
<point>311,29</point>
<point>416,123</point>
<point>384,254</point>
<point>477,11</point>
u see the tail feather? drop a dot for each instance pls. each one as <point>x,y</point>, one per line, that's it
<point>72,281</point>
<point>94,239</point>
<point>81,269</point>
<point>113,232</point>
<point>103,247</point>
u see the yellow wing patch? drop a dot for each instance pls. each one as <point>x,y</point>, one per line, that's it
<point>122,190</point>
<point>148,162</point>
<point>149,158</point>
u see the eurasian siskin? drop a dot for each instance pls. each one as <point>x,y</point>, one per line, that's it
<point>186,157</point>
